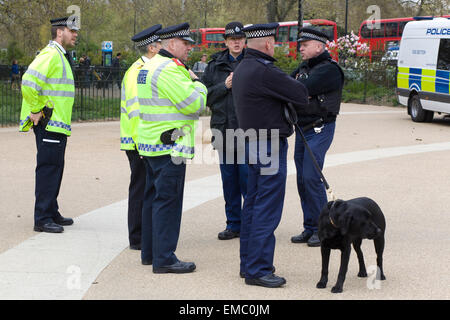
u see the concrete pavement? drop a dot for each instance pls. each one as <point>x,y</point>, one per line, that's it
<point>377,152</point>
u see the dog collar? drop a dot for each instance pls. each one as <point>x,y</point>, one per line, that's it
<point>332,223</point>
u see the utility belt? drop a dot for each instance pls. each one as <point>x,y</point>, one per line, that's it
<point>46,112</point>
<point>317,125</point>
<point>170,136</point>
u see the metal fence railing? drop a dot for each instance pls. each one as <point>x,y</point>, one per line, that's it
<point>375,87</point>
<point>97,92</point>
<point>97,96</point>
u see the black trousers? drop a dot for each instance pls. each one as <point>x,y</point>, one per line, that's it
<point>162,211</point>
<point>135,196</point>
<point>51,148</point>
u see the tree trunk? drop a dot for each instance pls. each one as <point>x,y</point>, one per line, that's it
<point>272,10</point>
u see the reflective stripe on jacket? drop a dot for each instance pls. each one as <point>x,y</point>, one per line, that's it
<point>168,99</point>
<point>49,81</point>
<point>129,107</point>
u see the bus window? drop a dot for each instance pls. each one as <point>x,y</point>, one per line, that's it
<point>444,55</point>
<point>391,29</point>
<point>197,37</point>
<point>214,37</point>
<point>328,30</point>
<point>282,34</point>
<point>378,32</point>
<point>365,32</point>
<point>401,27</point>
<point>293,33</point>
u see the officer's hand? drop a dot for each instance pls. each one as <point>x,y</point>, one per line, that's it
<point>35,117</point>
<point>192,74</point>
<point>229,81</point>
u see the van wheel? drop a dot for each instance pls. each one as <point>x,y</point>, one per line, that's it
<point>417,113</point>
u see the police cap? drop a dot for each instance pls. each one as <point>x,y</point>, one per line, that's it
<point>147,36</point>
<point>234,29</point>
<point>261,30</point>
<point>307,34</point>
<point>178,31</point>
<point>71,22</point>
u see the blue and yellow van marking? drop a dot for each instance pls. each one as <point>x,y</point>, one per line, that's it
<point>427,80</point>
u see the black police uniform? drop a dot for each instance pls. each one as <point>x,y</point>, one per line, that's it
<point>324,80</point>
<point>234,173</point>
<point>261,92</point>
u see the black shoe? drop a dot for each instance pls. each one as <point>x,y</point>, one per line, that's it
<point>302,238</point>
<point>242,274</point>
<point>314,241</point>
<point>135,247</point>
<point>146,262</point>
<point>228,234</point>
<point>177,267</point>
<point>63,221</point>
<point>49,227</point>
<point>268,281</point>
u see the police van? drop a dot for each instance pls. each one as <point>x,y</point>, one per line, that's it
<point>424,68</point>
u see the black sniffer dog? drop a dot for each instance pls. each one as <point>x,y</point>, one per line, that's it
<point>342,223</point>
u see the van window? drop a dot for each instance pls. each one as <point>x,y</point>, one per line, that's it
<point>282,34</point>
<point>444,55</point>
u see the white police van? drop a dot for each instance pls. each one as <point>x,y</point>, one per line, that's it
<point>424,68</point>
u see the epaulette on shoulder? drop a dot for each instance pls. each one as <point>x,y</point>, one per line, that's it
<point>263,61</point>
<point>178,62</point>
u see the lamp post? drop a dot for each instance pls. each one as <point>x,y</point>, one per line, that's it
<point>346,16</point>
<point>300,22</point>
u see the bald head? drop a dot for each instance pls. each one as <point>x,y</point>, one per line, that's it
<point>264,44</point>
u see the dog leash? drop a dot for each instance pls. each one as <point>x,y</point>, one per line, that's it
<point>291,117</point>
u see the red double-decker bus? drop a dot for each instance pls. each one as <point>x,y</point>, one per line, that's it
<point>208,38</point>
<point>287,33</point>
<point>382,34</point>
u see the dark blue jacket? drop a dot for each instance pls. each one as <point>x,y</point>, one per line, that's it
<point>261,91</point>
<point>220,99</point>
<point>322,77</point>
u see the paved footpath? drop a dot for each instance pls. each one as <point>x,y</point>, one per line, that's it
<point>377,152</point>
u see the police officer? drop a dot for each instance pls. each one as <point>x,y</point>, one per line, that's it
<point>260,92</point>
<point>171,98</point>
<point>218,78</point>
<point>148,44</point>
<point>48,94</point>
<point>324,80</point>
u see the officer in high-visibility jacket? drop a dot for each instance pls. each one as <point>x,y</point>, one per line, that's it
<point>48,91</point>
<point>148,44</point>
<point>171,98</point>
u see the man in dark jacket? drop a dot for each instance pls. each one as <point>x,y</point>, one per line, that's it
<point>324,80</point>
<point>218,78</point>
<point>261,92</point>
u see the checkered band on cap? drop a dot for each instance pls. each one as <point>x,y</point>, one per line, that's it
<point>260,33</point>
<point>312,36</point>
<point>60,23</point>
<point>229,32</point>
<point>147,41</point>
<point>72,22</point>
<point>175,34</point>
